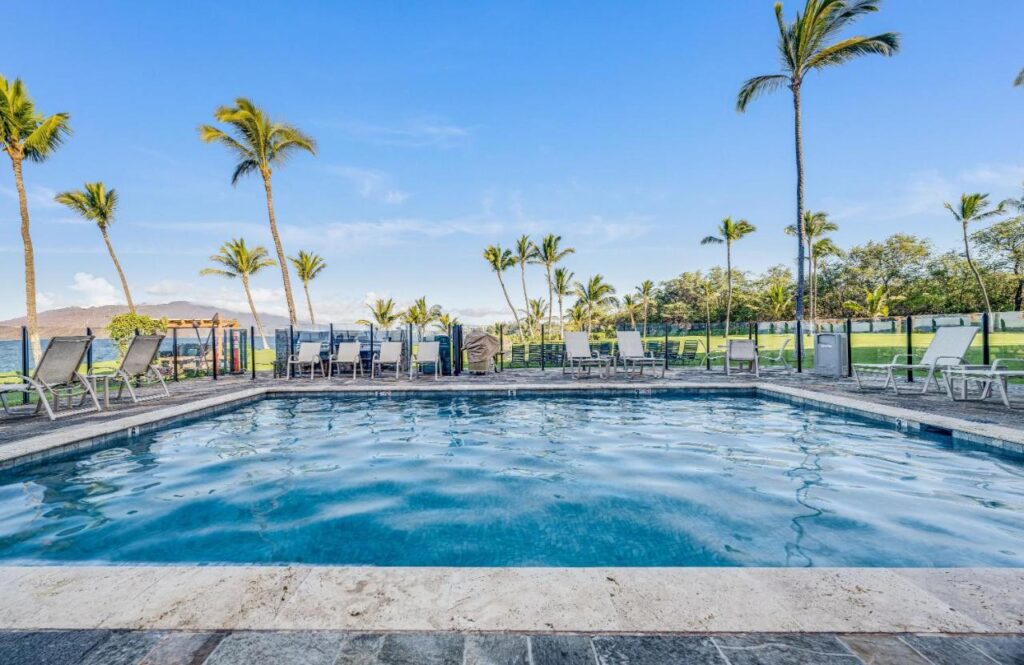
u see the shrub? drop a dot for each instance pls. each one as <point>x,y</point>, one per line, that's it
<point>123,326</point>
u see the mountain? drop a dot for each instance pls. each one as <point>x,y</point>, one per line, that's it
<point>74,320</point>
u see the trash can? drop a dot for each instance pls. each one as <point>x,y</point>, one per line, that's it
<point>830,354</point>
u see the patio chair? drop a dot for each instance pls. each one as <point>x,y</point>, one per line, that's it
<point>948,348</point>
<point>57,376</point>
<point>984,377</point>
<point>632,356</point>
<point>390,354</point>
<point>308,356</point>
<point>692,352</point>
<point>347,353</point>
<point>778,357</point>
<point>579,357</point>
<point>139,362</point>
<point>428,353</point>
<point>742,352</point>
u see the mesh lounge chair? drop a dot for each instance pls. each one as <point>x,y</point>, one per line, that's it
<point>57,376</point>
<point>742,352</point>
<point>390,354</point>
<point>308,355</point>
<point>632,356</point>
<point>348,353</point>
<point>579,357</point>
<point>428,353</point>
<point>948,348</point>
<point>984,377</point>
<point>139,362</point>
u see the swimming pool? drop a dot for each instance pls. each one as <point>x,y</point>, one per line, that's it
<point>673,479</point>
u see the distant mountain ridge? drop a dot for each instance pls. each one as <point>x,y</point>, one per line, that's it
<point>74,320</point>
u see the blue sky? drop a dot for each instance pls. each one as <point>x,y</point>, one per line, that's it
<point>444,127</point>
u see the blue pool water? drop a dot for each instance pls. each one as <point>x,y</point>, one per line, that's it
<point>530,481</point>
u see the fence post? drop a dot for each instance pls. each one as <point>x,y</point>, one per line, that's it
<point>985,350</point>
<point>542,364</point>
<point>799,347</point>
<point>849,347</point>
<point>213,346</point>
<point>88,355</point>
<point>910,347</point>
<point>750,330</point>
<point>252,345</point>
<point>457,353</point>
<point>707,347</point>
<point>24,360</point>
<point>291,350</point>
<point>665,351</point>
<point>756,334</point>
<point>501,342</point>
<point>371,351</point>
<point>174,353</point>
<point>408,357</point>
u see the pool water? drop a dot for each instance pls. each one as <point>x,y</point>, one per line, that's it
<point>673,480</point>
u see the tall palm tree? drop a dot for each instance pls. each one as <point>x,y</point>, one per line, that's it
<point>98,204</point>
<point>595,295</point>
<point>974,208</point>
<point>526,252</point>
<point>259,144</point>
<point>646,293</point>
<point>27,134</point>
<point>501,260</point>
<point>816,225</point>
<point>630,307</point>
<point>420,314</point>
<point>563,287</point>
<point>384,313</point>
<point>809,44</point>
<point>551,254</point>
<point>729,231</point>
<point>307,266</point>
<point>238,260</point>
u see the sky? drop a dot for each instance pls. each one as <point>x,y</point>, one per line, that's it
<point>443,127</point>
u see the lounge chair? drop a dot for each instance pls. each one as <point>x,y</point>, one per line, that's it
<point>390,354</point>
<point>308,356</point>
<point>778,357</point>
<point>742,352</point>
<point>632,356</point>
<point>57,376</point>
<point>347,353</point>
<point>948,348</point>
<point>984,377</point>
<point>139,362</point>
<point>578,355</point>
<point>428,353</point>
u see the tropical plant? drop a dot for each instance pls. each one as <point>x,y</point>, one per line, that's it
<point>384,313</point>
<point>729,231</point>
<point>445,322</point>
<point>563,287</point>
<point>816,225</point>
<point>526,252</point>
<point>535,314</point>
<point>27,134</point>
<point>550,253</point>
<point>809,44</point>
<point>1006,240</point>
<point>123,327</point>
<point>973,208</point>
<point>577,316</point>
<point>420,315</point>
<point>98,204</point>
<point>630,307</point>
<point>646,294</point>
<point>499,261</point>
<point>595,294</point>
<point>238,260</point>
<point>876,303</point>
<point>307,266</point>
<point>259,144</point>
<point>778,298</point>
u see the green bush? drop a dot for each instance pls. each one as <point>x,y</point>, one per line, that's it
<point>123,326</point>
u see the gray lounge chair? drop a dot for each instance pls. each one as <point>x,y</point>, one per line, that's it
<point>579,357</point>
<point>632,356</point>
<point>947,349</point>
<point>139,362</point>
<point>56,377</point>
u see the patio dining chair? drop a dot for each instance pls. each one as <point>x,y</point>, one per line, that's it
<point>741,352</point>
<point>390,354</point>
<point>308,356</point>
<point>777,357</point>
<point>428,353</point>
<point>347,353</point>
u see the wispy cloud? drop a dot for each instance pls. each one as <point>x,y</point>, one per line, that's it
<point>389,232</point>
<point>415,134</point>
<point>371,184</point>
<point>37,196</point>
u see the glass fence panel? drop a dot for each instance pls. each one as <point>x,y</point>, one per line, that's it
<point>925,326</point>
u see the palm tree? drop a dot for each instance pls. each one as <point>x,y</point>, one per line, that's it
<point>973,208</point>
<point>420,314</point>
<point>238,260</point>
<point>577,315</point>
<point>307,266</point>
<point>259,144</point>
<point>562,288</point>
<point>630,308</point>
<point>646,293</point>
<point>550,254</point>
<point>876,303</point>
<point>384,313</point>
<point>27,134</point>
<point>501,260</point>
<point>816,225</point>
<point>806,45</point>
<point>97,204</point>
<point>526,252</point>
<point>1019,81</point>
<point>594,296</point>
<point>535,314</point>
<point>728,233</point>
<point>446,321</point>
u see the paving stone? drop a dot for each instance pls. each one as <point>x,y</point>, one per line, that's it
<point>52,647</point>
<point>496,650</point>
<point>561,650</point>
<point>882,650</point>
<point>769,649</point>
<point>942,650</point>
<point>122,648</point>
<point>421,649</point>
<point>182,649</point>
<point>656,650</point>
<point>1005,650</point>
<point>273,648</point>
<point>360,649</point>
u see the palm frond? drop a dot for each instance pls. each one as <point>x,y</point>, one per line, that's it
<point>885,44</point>
<point>711,240</point>
<point>47,137</point>
<point>757,86</point>
<point>1019,81</point>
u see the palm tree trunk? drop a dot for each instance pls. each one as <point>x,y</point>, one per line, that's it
<point>645,318</point>
<point>977,275</point>
<point>526,298</point>
<point>281,260</point>
<point>551,295</point>
<point>1018,294</point>
<point>309,303</point>
<point>814,283</point>
<point>255,314</point>
<point>561,317</point>
<point>30,263</point>
<point>801,230</point>
<point>728,285</point>
<point>120,272</point>
<point>515,314</point>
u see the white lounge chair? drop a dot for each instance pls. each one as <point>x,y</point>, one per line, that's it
<point>984,377</point>
<point>139,362</point>
<point>390,354</point>
<point>742,352</point>
<point>578,355</point>
<point>347,354</point>
<point>428,353</point>
<point>778,357</point>
<point>947,349</point>
<point>308,356</point>
<point>57,376</point>
<point>632,356</point>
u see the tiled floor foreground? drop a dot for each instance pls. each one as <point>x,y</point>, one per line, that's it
<point>102,647</point>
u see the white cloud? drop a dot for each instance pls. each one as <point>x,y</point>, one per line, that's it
<point>416,134</point>
<point>167,287</point>
<point>94,291</point>
<point>371,184</point>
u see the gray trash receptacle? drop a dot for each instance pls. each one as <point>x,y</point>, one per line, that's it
<point>830,354</point>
